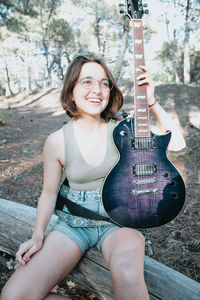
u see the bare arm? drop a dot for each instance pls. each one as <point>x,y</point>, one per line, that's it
<point>52,178</point>
<point>164,121</point>
<point>47,200</point>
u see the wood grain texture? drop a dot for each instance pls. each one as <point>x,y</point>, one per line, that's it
<point>16,224</point>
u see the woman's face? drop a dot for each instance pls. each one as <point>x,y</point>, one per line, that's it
<point>91,93</point>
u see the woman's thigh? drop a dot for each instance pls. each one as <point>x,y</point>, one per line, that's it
<point>123,251</point>
<point>52,263</point>
<point>126,242</point>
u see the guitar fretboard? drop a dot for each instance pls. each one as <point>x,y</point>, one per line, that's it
<point>142,128</point>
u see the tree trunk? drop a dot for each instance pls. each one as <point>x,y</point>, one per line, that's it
<point>97,32</point>
<point>29,79</point>
<point>173,50</point>
<point>187,45</point>
<point>174,59</point>
<point>8,78</point>
<point>163,283</point>
<point>48,78</point>
<point>124,45</point>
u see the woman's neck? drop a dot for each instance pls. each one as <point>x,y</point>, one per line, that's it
<point>90,122</point>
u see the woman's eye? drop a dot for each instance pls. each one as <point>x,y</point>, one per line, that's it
<point>105,83</point>
<point>87,82</point>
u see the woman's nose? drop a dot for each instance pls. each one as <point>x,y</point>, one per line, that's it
<point>96,87</point>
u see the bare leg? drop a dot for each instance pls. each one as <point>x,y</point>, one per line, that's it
<point>47,267</point>
<point>123,251</point>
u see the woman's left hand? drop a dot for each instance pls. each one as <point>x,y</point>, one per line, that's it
<point>145,79</point>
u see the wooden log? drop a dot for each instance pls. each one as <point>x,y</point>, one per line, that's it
<point>16,226</point>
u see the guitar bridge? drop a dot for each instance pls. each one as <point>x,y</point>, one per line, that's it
<point>145,192</point>
<point>143,143</point>
<point>144,181</point>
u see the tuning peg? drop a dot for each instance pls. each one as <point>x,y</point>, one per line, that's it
<point>145,5</point>
<point>122,11</point>
<point>146,11</point>
<point>121,5</point>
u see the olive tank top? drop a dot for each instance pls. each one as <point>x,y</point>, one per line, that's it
<point>80,174</point>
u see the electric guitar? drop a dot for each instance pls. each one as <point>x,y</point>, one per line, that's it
<point>143,189</point>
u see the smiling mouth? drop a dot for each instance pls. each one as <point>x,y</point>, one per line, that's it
<point>94,100</point>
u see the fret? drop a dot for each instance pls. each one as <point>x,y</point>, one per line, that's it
<point>142,128</point>
<point>138,70</point>
<point>139,56</point>
<point>141,105</point>
<point>138,41</point>
<point>142,124</point>
<point>137,24</point>
<point>141,118</point>
<point>140,89</point>
<point>141,97</point>
<point>141,109</point>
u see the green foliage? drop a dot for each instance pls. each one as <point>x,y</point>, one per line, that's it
<point>8,8</point>
<point>40,37</point>
<point>169,55</point>
<point>59,32</point>
<point>166,57</point>
<point>15,24</point>
<point>195,66</point>
<point>148,32</point>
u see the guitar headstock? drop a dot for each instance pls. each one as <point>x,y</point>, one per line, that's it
<point>135,9</point>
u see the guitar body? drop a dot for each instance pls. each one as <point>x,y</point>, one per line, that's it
<point>143,189</point>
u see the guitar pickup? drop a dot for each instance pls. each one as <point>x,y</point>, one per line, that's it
<point>143,143</point>
<point>144,169</point>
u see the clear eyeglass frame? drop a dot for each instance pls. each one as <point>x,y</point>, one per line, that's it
<point>105,84</point>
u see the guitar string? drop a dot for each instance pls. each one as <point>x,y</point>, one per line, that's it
<point>143,154</point>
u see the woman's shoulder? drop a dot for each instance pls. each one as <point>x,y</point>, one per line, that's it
<point>55,138</point>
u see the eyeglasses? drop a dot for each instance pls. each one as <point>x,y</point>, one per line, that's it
<point>88,83</point>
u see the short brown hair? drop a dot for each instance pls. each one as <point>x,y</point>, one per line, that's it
<point>74,69</point>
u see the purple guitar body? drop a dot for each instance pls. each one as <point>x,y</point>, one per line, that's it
<point>144,189</point>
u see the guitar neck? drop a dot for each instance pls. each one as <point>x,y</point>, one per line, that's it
<point>142,127</point>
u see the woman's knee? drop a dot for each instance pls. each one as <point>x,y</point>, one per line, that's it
<point>128,268</point>
<point>18,289</point>
<point>19,295</point>
<point>11,293</point>
<point>127,263</point>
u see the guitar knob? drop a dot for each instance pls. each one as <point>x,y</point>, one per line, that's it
<point>174,196</point>
<point>166,175</point>
<point>173,183</point>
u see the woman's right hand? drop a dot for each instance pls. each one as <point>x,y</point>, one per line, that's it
<point>28,248</point>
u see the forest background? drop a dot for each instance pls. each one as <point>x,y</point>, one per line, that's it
<point>39,39</point>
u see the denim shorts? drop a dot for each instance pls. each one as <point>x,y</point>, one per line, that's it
<point>84,232</point>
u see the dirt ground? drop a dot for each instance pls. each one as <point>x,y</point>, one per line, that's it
<point>27,119</point>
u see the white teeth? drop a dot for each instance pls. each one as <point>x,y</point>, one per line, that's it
<point>95,100</point>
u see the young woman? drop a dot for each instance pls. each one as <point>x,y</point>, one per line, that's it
<point>84,151</point>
